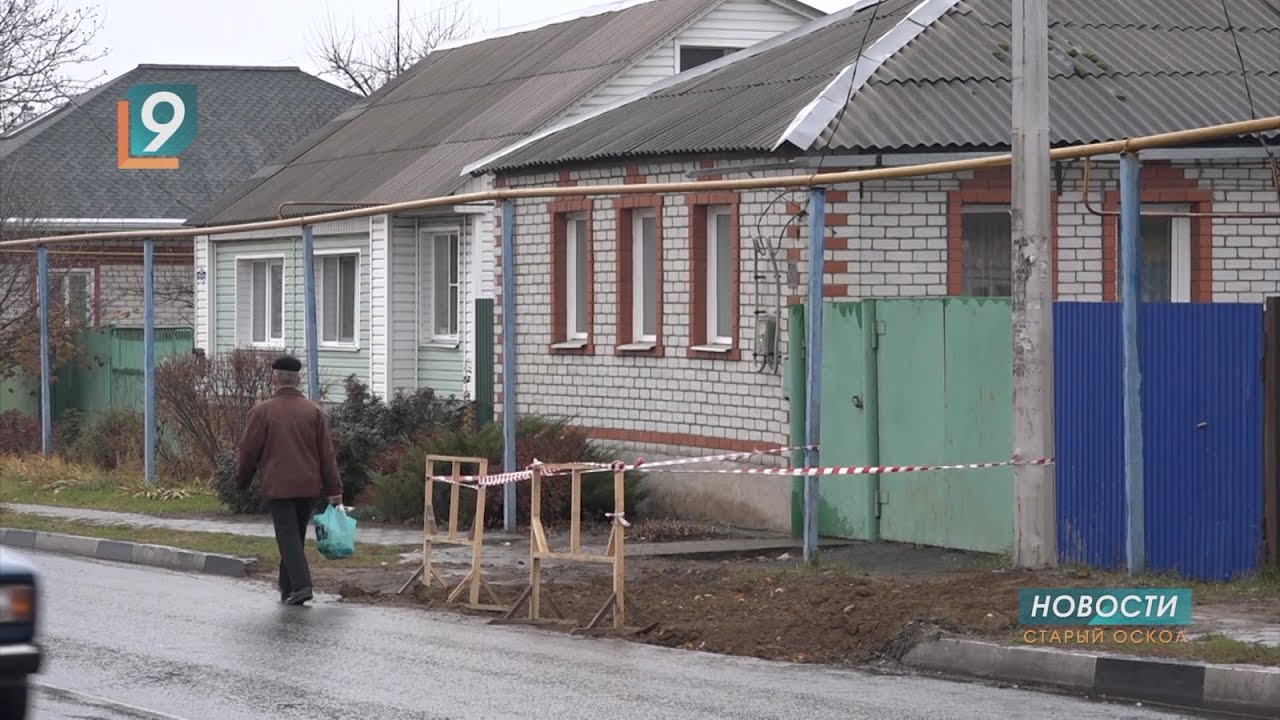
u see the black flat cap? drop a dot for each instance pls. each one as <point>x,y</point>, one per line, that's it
<point>287,363</point>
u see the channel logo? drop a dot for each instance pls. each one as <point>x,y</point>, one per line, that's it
<point>154,124</point>
<point>1099,606</point>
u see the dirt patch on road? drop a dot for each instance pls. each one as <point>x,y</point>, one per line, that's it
<point>766,610</point>
<point>807,616</point>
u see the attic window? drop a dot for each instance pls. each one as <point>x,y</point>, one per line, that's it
<point>692,56</point>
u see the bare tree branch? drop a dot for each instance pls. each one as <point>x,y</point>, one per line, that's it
<point>39,42</point>
<point>364,63</point>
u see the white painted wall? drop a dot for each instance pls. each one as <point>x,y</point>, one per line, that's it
<point>735,23</point>
<point>481,248</point>
<point>203,286</point>
<point>379,315</point>
<point>403,296</point>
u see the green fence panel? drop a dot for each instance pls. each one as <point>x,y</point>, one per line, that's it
<point>20,393</point>
<point>847,504</point>
<point>979,422</point>
<point>793,388</point>
<point>912,385</point>
<point>108,373</point>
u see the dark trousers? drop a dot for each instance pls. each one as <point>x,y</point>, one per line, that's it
<point>291,519</point>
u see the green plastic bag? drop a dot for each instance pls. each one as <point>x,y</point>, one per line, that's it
<point>335,533</point>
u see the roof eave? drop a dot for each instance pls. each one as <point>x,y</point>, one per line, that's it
<point>817,116</point>
<point>486,164</point>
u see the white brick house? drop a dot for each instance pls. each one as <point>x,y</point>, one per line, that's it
<point>407,311</point>
<point>690,387</point>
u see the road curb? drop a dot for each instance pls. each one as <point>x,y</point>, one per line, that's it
<point>1245,689</point>
<point>161,556</point>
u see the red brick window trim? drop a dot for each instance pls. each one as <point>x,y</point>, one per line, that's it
<point>715,263</point>
<point>1165,189</point>
<point>640,277</point>
<point>988,191</point>
<point>572,278</point>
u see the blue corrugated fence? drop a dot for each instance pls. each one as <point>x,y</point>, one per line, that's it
<point>1202,421</point>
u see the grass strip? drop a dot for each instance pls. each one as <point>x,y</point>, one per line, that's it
<point>264,549</point>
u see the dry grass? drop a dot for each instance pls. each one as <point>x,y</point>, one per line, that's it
<point>50,473</point>
<point>54,481</point>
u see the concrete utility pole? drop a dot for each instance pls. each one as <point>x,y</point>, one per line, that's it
<point>1034,540</point>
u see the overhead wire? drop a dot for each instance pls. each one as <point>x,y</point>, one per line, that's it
<point>823,156</point>
<point>1248,92</point>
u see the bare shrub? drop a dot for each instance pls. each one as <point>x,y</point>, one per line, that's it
<point>204,403</point>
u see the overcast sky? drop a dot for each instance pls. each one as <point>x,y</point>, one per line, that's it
<point>273,32</point>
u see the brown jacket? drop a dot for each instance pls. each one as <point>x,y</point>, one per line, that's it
<point>287,442</point>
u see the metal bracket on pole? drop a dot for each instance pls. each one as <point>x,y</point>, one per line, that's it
<point>309,311</point>
<point>508,362</point>
<point>46,370</point>
<point>149,360</point>
<point>813,365</point>
<point>1130,310</point>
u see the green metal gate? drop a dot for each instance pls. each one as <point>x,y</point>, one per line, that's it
<point>914,382</point>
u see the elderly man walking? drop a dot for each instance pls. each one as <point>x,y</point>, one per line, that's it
<point>287,444</point>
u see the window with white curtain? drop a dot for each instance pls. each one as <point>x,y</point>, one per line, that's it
<point>577,277</point>
<point>1164,250</point>
<point>445,285</point>
<point>644,276</point>
<point>74,290</point>
<point>339,298</point>
<point>261,300</point>
<point>986,251</point>
<point>720,270</point>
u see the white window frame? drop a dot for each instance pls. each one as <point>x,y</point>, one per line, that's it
<point>991,209</point>
<point>270,259</point>
<point>1179,252</point>
<point>89,295</point>
<point>642,294</point>
<point>574,283</point>
<point>320,256</point>
<point>731,47</point>
<point>714,340</point>
<point>435,235</point>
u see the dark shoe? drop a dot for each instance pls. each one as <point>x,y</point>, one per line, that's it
<point>299,597</point>
<point>284,596</point>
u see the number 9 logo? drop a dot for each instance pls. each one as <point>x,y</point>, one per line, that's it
<point>163,130</point>
<point>161,120</point>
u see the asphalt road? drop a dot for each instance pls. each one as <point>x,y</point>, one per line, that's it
<point>131,642</point>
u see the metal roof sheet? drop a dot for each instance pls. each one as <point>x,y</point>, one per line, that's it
<point>1118,68</point>
<point>458,104</point>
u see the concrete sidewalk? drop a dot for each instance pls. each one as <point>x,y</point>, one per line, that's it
<point>408,537</point>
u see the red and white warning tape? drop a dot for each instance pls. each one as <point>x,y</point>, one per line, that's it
<point>886,469</point>
<point>521,475</point>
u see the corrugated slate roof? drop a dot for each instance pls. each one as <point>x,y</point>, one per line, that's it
<point>1118,68</point>
<point>246,117</point>
<point>457,105</point>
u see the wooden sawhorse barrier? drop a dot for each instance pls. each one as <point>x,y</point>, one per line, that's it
<point>539,551</point>
<point>475,579</point>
